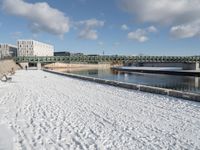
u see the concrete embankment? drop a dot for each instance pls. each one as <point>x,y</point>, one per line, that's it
<point>144,88</point>
<point>6,66</point>
<point>158,70</point>
<point>67,67</point>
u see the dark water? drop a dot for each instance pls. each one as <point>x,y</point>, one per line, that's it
<point>183,83</point>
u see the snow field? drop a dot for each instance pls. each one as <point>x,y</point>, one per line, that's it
<point>47,111</point>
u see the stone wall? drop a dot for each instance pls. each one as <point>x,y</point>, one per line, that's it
<point>73,65</point>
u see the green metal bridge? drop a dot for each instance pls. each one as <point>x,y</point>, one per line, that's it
<point>109,59</point>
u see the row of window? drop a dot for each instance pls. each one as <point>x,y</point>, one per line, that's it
<point>22,49</point>
<point>26,53</point>
<point>25,42</point>
<point>25,46</point>
<point>31,43</point>
<point>4,46</point>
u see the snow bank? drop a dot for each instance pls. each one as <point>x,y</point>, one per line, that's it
<point>47,111</point>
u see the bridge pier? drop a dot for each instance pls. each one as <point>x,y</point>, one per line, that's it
<point>191,66</point>
<point>196,82</point>
<point>39,66</point>
<point>197,66</point>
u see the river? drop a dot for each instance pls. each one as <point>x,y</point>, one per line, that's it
<point>182,83</point>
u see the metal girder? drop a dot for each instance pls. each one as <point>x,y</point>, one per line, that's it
<point>96,59</point>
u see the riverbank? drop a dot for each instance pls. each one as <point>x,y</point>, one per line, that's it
<point>144,88</point>
<point>75,67</point>
<point>47,111</point>
<point>6,66</point>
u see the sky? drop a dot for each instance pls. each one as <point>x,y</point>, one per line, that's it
<point>115,27</point>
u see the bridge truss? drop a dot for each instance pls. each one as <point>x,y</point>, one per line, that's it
<point>109,59</point>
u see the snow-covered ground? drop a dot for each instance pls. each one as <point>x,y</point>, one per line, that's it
<point>39,110</point>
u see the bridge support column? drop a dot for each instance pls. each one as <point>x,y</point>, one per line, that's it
<point>191,66</point>
<point>39,66</point>
<point>197,66</point>
<point>196,82</point>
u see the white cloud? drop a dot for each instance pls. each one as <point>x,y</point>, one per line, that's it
<point>41,16</point>
<point>88,30</point>
<point>141,35</point>
<point>88,34</point>
<point>138,35</point>
<point>163,11</point>
<point>92,23</point>
<point>152,29</point>
<point>186,30</point>
<point>124,27</point>
<point>183,16</point>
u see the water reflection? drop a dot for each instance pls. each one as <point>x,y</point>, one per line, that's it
<point>183,83</point>
<point>197,81</point>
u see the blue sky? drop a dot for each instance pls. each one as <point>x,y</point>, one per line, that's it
<point>125,27</point>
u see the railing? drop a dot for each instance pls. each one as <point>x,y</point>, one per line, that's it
<point>109,59</point>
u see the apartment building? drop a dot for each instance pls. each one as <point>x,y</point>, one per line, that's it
<point>34,48</point>
<point>7,51</point>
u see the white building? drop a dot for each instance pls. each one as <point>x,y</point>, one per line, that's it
<point>34,48</point>
<point>7,50</point>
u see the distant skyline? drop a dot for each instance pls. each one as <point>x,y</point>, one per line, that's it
<point>123,27</point>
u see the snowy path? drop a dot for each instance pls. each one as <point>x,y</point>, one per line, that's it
<point>47,111</point>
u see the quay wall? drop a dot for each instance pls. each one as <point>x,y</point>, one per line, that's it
<point>143,88</point>
<point>184,66</point>
<point>64,67</point>
<point>73,65</point>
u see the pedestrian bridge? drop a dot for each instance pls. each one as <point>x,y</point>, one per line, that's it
<point>109,59</point>
<point>187,62</point>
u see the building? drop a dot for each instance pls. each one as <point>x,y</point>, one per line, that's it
<point>67,53</point>
<point>7,51</point>
<point>63,53</point>
<point>93,55</point>
<point>76,54</point>
<point>34,48</point>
